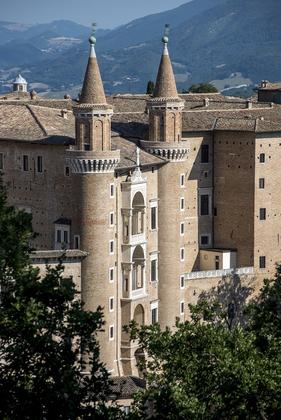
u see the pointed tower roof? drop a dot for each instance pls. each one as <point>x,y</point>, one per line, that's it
<point>165,82</point>
<point>92,91</point>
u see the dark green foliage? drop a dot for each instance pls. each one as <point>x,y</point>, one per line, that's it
<point>43,332</point>
<point>265,315</point>
<point>150,87</point>
<point>203,88</point>
<point>209,368</point>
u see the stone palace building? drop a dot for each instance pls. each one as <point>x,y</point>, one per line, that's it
<point>155,198</point>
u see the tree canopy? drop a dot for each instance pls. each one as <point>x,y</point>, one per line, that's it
<point>202,88</point>
<point>210,368</point>
<point>150,87</point>
<point>49,353</point>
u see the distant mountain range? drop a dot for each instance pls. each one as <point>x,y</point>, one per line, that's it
<point>229,42</point>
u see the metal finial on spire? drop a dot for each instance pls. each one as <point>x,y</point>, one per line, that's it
<point>165,38</point>
<point>92,38</point>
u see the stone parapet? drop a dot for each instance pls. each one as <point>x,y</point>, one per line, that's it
<point>174,152</point>
<point>86,110</point>
<point>165,104</point>
<point>85,162</point>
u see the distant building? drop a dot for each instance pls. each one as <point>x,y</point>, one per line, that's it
<point>20,84</point>
<point>269,92</point>
<point>156,198</point>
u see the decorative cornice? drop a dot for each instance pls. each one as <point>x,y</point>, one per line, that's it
<point>91,162</point>
<point>171,152</point>
<point>166,103</point>
<point>92,110</point>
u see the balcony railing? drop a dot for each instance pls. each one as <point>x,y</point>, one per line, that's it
<point>138,293</point>
<point>218,273</point>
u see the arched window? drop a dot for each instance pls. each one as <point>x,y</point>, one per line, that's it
<point>138,269</point>
<point>87,145</point>
<point>139,315</point>
<point>138,214</point>
<point>98,139</point>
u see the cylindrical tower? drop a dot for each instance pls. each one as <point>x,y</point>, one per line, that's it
<point>165,140</point>
<point>93,162</point>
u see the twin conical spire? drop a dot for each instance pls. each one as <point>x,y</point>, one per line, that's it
<point>92,91</point>
<point>165,83</point>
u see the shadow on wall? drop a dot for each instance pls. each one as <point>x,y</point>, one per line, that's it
<point>229,298</point>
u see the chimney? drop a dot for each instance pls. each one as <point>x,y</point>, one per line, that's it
<point>33,94</point>
<point>64,113</point>
<point>249,104</point>
<point>206,102</point>
<point>66,96</point>
<point>264,83</point>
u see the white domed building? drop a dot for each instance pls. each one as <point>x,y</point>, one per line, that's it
<point>20,84</point>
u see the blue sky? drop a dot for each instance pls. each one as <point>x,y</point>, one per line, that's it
<point>107,13</point>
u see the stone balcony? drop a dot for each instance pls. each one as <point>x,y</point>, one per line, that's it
<point>133,240</point>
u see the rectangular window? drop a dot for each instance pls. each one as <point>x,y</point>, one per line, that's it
<point>182,180</point>
<point>1,161</point>
<point>182,203</point>
<point>217,262</point>
<point>153,270</point>
<point>111,304</point>
<point>182,228</point>
<point>39,164</point>
<point>261,183</point>
<point>205,153</point>
<point>25,162</point>
<point>59,236</point>
<point>204,205</point>
<point>111,247</point>
<point>76,242</point>
<point>262,158</point>
<point>111,190</point>
<point>262,262</point>
<point>111,274</point>
<point>65,236</point>
<point>111,332</point>
<point>182,281</point>
<point>111,219</point>
<point>153,218</point>
<point>182,308</point>
<point>262,214</point>
<point>67,171</point>
<point>154,316</point>
<point>204,240</point>
<point>182,254</point>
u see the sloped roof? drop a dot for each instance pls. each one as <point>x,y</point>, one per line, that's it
<point>32,123</point>
<point>124,387</point>
<point>128,154</point>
